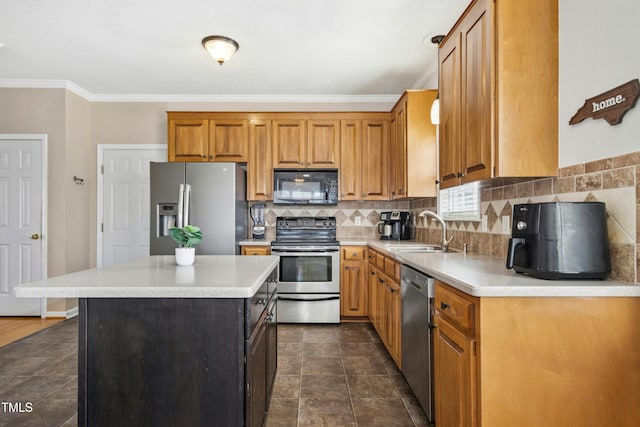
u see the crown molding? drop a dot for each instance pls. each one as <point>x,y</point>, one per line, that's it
<point>261,99</point>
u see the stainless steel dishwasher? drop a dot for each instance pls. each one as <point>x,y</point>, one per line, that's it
<point>417,341</point>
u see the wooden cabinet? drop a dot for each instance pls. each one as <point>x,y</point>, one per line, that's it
<point>289,147</point>
<point>256,250</point>
<point>319,149</point>
<point>228,141</point>
<point>350,160</point>
<point>413,146</point>
<point>260,164</point>
<point>323,144</point>
<point>188,140</point>
<point>498,107</point>
<point>385,303</point>
<point>198,139</point>
<point>375,159</point>
<point>353,281</point>
<point>455,358</point>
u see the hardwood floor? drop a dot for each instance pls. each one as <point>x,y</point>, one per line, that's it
<point>15,328</point>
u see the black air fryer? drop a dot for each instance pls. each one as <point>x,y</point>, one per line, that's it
<point>560,240</point>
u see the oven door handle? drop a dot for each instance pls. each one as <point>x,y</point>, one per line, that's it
<point>332,298</point>
<point>300,251</point>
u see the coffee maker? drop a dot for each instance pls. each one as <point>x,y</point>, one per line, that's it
<point>257,215</point>
<point>395,225</point>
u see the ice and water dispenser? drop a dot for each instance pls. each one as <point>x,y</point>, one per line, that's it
<point>167,217</point>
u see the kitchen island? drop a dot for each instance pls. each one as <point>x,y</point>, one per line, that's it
<point>161,344</point>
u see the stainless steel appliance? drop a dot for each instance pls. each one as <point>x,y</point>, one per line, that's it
<point>309,287</point>
<point>560,240</point>
<point>395,225</point>
<point>257,215</point>
<point>213,198</point>
<point>417,342</point>
<point>305,186</point>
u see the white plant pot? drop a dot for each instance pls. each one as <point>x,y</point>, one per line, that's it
<point>185,256</point>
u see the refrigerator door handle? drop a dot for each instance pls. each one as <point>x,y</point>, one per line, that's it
<point>187,197</point>
<point>180,219</point>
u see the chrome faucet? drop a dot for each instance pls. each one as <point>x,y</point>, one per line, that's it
<point>445,242</point>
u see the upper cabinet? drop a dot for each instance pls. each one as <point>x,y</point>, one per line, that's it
<point>260,164</point>
<point>193,137</point>
<point>188,140</point>
<point>312,143</point>
<point>499,92</point>
<point>375,160</point>
<point>413,146</point>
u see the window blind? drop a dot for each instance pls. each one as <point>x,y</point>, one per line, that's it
<point>460,203</point>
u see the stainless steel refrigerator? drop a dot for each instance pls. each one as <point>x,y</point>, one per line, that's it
<point>209,195</point>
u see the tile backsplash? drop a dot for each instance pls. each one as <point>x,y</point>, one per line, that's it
<point>614,181</point>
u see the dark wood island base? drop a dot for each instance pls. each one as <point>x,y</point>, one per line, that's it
<point>177,361</point>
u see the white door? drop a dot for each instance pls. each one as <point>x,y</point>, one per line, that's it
<point>124,222</point>
<point>21,221</point>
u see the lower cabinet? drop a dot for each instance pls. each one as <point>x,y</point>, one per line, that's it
<point>353,282</point>
<point>455,358</point>
<point>385,303</point>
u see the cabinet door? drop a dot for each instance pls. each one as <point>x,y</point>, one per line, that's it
<point>375,157</point>
<point>373,295</point>
<point>449,144</point>
<point>399,152</point>
<point>256,387</point>
<point>188,140</point>
<point>476,93</point>
<point>228,141</point>
<point>272,345</point>
<point>353,289</point>
<point>323,144</point>
<point>289,148</point>
<point>351,160</point>
<point>260,166</point>
<point>454,376</point>
<point>395,323</point>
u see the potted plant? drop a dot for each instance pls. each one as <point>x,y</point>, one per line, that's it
<point>186,237</point>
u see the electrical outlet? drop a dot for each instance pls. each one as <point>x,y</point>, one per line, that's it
<point>358,220</point>
<point>485,223</point>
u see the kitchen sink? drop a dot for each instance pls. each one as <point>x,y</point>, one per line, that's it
<point>413,248</point>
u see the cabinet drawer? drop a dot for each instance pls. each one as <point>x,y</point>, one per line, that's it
<point>354,253</point>
<point>371,256</point>
<point>380,261</point>
<point>256,250</point>
<point>455,307</point>
<point>392,268</point>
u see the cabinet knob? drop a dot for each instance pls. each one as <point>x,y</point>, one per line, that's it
<point>261,302</point>
<point>210,156</point>
<point>401,191</point>
<point>301,163</point>
<point>437,181</point>
<point>342,195</point>
<point>364,195</point>
<point>444,305</point>
<point>346,267</point>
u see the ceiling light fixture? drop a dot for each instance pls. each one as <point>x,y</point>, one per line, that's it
<point>435,107</point>
<point>221,48</point>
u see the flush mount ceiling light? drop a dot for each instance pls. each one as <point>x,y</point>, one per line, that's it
<point>221,48</point>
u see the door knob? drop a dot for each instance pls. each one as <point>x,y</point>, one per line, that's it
<point>35,236</point>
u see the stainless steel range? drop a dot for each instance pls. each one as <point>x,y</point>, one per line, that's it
<point>309,287</point>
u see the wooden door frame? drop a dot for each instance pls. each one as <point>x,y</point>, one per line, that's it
<point>100,190</point>
<point>42,137</point>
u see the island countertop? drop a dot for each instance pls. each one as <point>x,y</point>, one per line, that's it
<point>211,276</point>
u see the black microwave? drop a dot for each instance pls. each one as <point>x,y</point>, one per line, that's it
<point>305,186</point>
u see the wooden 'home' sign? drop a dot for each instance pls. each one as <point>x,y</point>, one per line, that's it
<point>611,105</point>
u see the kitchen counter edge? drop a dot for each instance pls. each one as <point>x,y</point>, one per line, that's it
<point>211,276</point>
<point>486,276</point>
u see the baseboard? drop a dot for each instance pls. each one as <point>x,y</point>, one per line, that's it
<point>66,314</point>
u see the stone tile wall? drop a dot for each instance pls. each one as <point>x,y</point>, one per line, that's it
<point>614,181</point>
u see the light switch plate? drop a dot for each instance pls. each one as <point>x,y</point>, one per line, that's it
<point>358,220</point>
<point>485,223</point>
<point>506,224</point>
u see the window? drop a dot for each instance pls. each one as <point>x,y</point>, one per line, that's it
<point>460,203</point>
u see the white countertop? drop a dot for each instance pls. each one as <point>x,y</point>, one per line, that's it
<point>211,276</point>
<point>485,276</point>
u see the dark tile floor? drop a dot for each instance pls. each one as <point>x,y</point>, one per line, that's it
<point>337,375</point>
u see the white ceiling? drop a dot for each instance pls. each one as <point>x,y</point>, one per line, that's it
<point>352,48</point>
